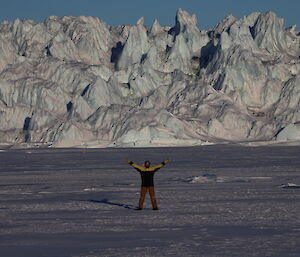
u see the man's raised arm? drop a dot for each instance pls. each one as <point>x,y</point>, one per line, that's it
<point>163,163</point>
<point>129,161</point>
<point>133,164</point>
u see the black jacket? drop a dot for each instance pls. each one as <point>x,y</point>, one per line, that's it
<point>147,174</point>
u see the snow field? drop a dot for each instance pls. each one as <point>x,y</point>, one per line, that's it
<point>214,201</point>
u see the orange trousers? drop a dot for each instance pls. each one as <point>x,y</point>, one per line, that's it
<point>144,191</point>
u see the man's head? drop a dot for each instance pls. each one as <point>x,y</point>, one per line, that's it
<point>147,164</point>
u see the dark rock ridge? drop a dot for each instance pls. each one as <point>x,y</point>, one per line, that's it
<point>76,81</point>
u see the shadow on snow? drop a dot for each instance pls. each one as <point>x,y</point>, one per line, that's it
<point>106,201</point>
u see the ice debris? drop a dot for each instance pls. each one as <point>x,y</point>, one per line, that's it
<point>290,185</point>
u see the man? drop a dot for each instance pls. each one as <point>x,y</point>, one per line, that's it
<point>147,174</point>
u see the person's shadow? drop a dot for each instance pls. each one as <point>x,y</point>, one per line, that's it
<point>106,201</point>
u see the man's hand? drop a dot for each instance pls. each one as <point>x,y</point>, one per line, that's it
<point>128,161</point>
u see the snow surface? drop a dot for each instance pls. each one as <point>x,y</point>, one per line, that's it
<point>219,200</point>
<point>76,81</point>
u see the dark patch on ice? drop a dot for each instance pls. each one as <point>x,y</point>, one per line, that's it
<point>26,128</point>
<point>252,31</point>
<point>13,185</point>
<point>69,106</point>
<point>85,90</point>
<point>168,49</point>
<point>208,175</point>
<point>174,31</point>
<point>79,244</point>
<point>26,123</point>
<point>242,231</point>
<point>279,131</point>
<point>48,52</point>
<point>143,58</point>
<point>106,201</point>
<point>116,53</point>
<point>207,53</point>
<point>218,85</point>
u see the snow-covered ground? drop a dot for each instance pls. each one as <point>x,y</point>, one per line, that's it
<point>214,201</point>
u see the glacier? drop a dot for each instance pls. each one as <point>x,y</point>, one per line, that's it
<point>77,81</point>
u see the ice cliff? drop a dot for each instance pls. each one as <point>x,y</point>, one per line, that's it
<point>76,81</point>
